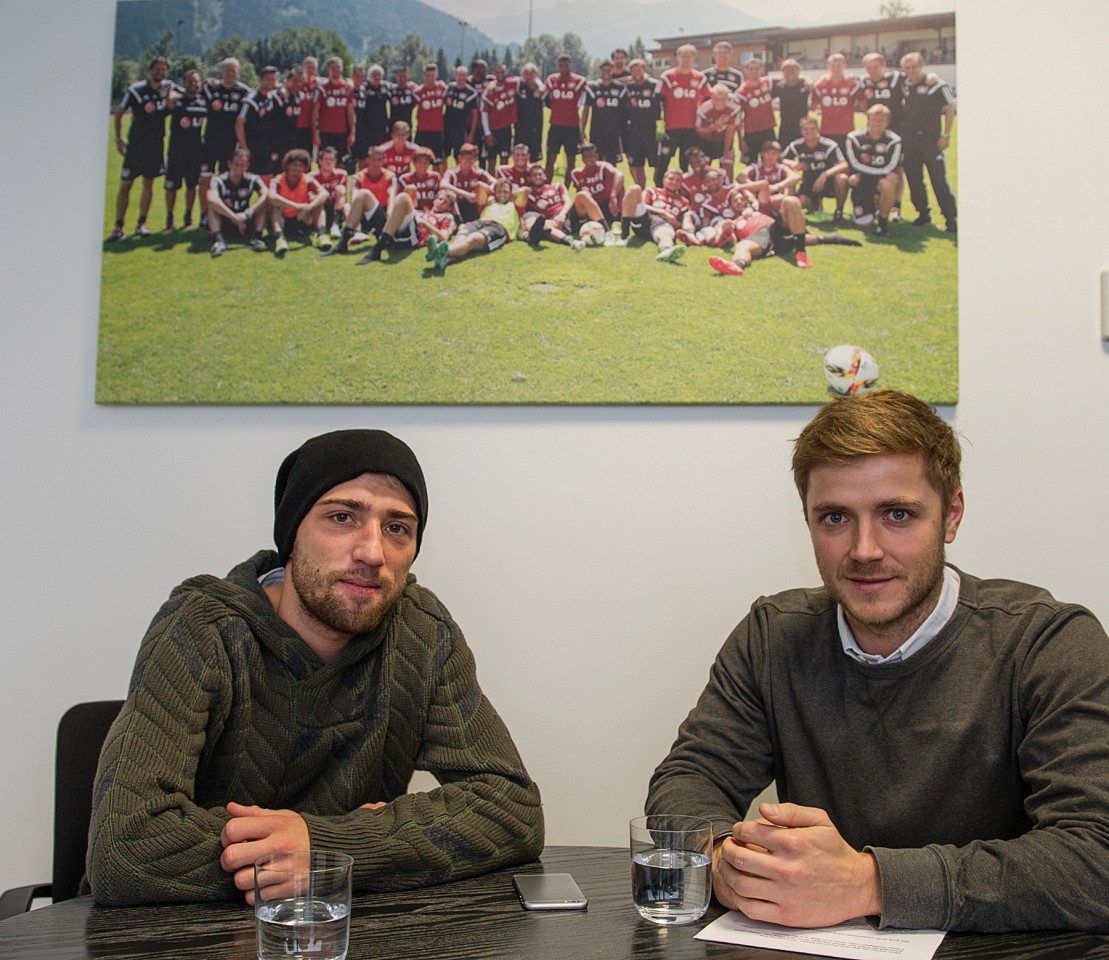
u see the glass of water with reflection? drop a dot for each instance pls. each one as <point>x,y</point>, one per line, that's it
<point>302,905</point>
<point>671,864</point>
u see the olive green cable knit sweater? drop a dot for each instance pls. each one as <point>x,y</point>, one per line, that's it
<point>228,703</point>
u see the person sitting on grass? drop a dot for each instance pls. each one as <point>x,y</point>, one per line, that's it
<point>407,226</point>
<point>758,232</point>
<point>655,214</point>
<point>297,204</point>
<point>498,224</point>
<point>335,180</point>
<point>548,204</point>
<point>232,207</point>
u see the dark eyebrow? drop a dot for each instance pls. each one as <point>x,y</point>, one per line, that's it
<point>362,506</point>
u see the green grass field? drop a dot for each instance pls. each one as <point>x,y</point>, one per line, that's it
<point>522,325</point>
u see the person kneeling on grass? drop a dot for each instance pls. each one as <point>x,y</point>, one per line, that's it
<point>758,232</point>
<point>498,224</point>
<point>297,204</point>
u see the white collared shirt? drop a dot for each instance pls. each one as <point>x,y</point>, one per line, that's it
<point>933,624</point>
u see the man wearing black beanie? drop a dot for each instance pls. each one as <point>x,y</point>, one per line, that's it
<point>287,705</point>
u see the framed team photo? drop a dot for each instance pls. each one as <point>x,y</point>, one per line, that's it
<point>367,202</point>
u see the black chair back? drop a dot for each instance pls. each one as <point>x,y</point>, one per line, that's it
<point>81,733</point>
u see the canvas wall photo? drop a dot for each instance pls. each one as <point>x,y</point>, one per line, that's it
<point>298,274</point>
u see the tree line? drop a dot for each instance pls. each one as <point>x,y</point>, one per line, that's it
<point>287,49</point>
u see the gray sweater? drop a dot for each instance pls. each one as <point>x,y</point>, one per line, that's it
<point>976,772</point>
<point>228,703</point>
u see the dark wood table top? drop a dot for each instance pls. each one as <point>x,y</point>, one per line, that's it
<point>478,919</point>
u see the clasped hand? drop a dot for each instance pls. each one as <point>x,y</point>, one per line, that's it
<point>792,867</point>
<point>254,832</point>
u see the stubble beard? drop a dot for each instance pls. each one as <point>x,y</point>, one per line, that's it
<point>922,590</point>
<point>321,601</point>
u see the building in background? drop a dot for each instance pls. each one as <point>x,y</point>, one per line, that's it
<point>932,35</point>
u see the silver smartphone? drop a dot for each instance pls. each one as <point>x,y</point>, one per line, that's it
<point>548,891</point>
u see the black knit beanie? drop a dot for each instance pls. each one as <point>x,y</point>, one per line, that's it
<point>333,458</point>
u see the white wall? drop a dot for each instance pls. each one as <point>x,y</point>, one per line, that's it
<point>595,557</point>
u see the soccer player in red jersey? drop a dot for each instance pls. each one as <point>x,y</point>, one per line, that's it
<point>399,150</point>
<point>564,94</point>
<point>296,204</point>
<point>711,201</point>
<point>498,114</point>
<point>422,183</point>
<point>430,103</point>
<point>334,114</point>
<point>758,234</point>
<point>757,98</point>
<point>546,209</point>
<point>518,172</point>
<point>833,97</point>
<point>683,89</point>
<point>600,188</point>
<point>469,183</point>
<point>693,182</point>
<point>780,177</point>
<point>408,227</point>
<point>717,119</point>
<point>309,101</point>
<point>335,181</point>
<point>656,214</point>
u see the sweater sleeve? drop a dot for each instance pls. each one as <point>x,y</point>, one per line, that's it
<point>723,755</point>
<point>149,841</point>
<point>1055,875</point>
<point>486,814</point>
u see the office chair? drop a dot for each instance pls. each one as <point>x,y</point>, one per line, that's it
<point>81,733</point>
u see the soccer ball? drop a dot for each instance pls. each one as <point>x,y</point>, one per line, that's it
<point>850,371</point>
<point>592,233</point>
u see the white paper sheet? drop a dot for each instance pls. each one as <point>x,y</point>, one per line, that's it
<point>853,940</point>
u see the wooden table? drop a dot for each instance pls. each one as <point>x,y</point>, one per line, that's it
<point>478,919</point>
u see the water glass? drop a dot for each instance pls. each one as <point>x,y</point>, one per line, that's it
<point>671,862</point>
<point>302,905</point>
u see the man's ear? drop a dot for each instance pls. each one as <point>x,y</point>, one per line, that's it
<point>954,517</point>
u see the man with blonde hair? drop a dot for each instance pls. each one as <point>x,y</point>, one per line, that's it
<point>682,88</point>
<point>937,740</point>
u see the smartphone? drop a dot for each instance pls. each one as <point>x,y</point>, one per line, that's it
<point>548,891</point>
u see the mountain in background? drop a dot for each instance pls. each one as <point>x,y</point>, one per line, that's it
<point>618,22</point>
<point>363,24</point>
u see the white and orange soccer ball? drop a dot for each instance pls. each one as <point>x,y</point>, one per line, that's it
<point>592,233</point>
<point>850,371</point>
